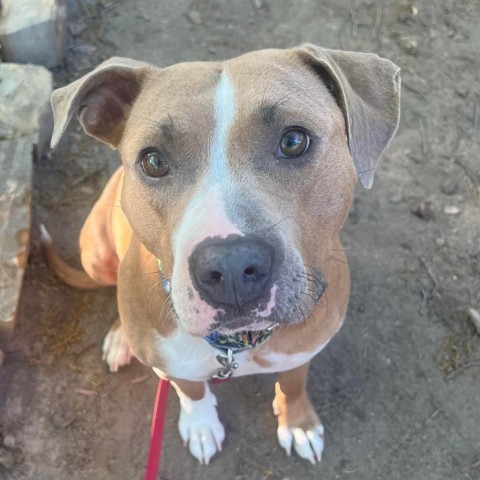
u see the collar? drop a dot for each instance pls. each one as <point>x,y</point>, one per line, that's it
<point>238,341</point>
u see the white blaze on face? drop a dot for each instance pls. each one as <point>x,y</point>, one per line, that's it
<point>224,115</point>
<point>205,216</point>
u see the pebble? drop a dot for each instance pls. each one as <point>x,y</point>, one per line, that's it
<point>423,211</point>
<point>474,316</point>
<point>461,91</point>
<point>407,13</point>
<point>60,421</point>
<point>451,210</point>
<point>408,45</point>
<point>195,17</point>
<point>2,357</point>
<point>9,441</point>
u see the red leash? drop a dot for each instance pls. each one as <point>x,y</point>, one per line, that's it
<point>156,432</point>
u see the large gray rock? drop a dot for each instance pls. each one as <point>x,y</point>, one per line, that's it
<point>15,193</point>
<point>33,31</point>
<point>24,127</point>
<point>24,98</point>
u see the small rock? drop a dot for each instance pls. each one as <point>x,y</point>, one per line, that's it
<point>62,421</point>
<point>195,17</point>
<point>450,187</point>
<point>258,4</point>
<point>474,316</point>
<point>461,91</point>
<point>407,12</point>
<point>9,441</point>
<point>440,241</point>
<point>451,210</point>
<point>2,357</point>
<point>408,45</point>
<point>423,211</point>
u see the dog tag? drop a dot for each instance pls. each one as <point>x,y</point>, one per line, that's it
<point>167,286</point>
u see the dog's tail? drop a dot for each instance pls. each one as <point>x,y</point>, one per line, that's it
<point>71,276</point>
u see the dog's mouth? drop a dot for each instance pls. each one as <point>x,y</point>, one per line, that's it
<point>241,324</point>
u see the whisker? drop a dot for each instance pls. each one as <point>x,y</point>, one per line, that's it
<point>156,272</point>
<point>337,260</point>
<point>276,225</point>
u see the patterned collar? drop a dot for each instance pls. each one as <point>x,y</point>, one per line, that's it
<point>239,341</point>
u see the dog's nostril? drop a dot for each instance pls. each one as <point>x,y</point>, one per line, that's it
<point>251,273</point>
<point>215,278</point>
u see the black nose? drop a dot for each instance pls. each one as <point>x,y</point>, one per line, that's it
<point>231,272</point>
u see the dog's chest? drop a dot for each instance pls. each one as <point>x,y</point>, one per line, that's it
<point>192,358</point>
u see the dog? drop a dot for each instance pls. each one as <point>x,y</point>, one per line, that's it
<point>221,227</point>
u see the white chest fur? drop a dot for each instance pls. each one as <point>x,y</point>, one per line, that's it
<point>192,358</point>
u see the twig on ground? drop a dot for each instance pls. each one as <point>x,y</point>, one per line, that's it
<point>139,379</point>
<point>378,19</point>
<point>424,136</point>
<point>465,366</point>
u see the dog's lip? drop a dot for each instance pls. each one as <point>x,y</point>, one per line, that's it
<point>241,324</point>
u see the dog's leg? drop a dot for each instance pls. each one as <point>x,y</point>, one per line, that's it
<point>116,349</point>
<point>298,424</point>
<point>198,423</point>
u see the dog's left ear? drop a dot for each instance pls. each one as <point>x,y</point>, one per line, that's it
<point>367,89</point>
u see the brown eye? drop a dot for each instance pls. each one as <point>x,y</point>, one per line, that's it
<point>294,143</point>
<point>153,164</point>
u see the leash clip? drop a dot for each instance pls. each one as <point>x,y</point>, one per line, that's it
<point>228,366</point>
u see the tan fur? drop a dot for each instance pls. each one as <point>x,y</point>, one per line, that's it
<point>291,404</point>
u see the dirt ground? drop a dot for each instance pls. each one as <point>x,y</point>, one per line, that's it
<point>398,389</point>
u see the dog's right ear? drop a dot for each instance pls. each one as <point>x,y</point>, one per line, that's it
<point>101,99</point>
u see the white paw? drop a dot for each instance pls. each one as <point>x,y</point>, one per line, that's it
<point>308,444</point>
<point>116,350</point>
<point>200,427</point>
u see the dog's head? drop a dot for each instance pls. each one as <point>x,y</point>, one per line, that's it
<point>239,175</point>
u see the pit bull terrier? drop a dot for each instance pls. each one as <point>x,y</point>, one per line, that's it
<point>221,228</point>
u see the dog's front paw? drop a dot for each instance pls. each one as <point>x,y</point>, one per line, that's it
<point>200,427</point>
<point>116,349</point>
<point>299,425</point>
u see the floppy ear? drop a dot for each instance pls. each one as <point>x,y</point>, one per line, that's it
<point>367,89</point>
<point>101,99</point>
